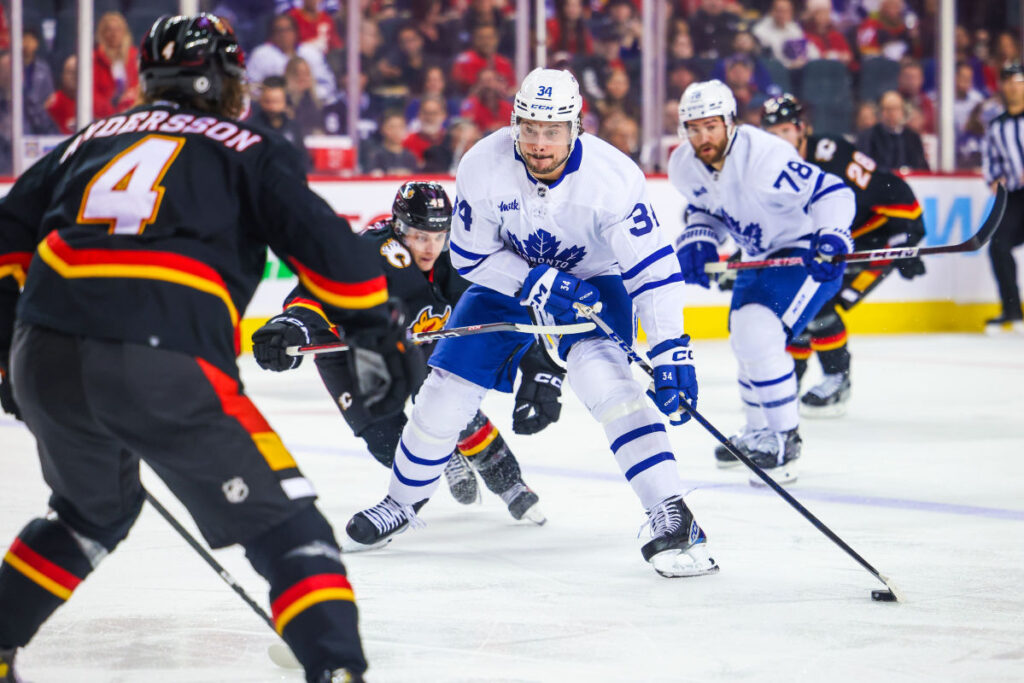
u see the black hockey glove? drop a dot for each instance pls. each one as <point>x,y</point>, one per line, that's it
<point>297,326</point>
<point>537,401</point>
<point>6,395</point>
<point>910,267</point>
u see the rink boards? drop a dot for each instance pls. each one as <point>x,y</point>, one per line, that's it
<point>956,294</point>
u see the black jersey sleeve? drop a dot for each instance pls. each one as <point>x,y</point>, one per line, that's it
<point>332,264</point>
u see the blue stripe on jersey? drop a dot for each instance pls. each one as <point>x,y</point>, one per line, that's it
<point>412,482</point>
<point>465,253</point>
<point>647,463</point>
<point>467,269</point>
<point>676,277</point>
<point>822,193</point>
<point>780,402</point>
<point>635,434</point>
<point>421,461</point>
<point>777,380</point>
<point>656,256</point>
<point>751,403</point>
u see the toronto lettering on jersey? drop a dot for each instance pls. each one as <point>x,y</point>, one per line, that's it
<point>159,121</point>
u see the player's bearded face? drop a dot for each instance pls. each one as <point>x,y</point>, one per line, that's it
<point>544,146</point>
<point>709,138</point>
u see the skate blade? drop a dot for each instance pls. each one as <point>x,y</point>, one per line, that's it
<point>816,412</point>
<point>783,476</point>
<point>350,545</point>
<point>694,561</point>
<point>534,514</point>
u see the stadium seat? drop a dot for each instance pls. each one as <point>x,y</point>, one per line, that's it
<point>780,74</point>
<point>877,75</point>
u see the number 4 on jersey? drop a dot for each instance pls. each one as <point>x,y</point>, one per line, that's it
<point>126,193</point>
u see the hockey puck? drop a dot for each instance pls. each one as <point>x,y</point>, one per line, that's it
<point>883,596</point>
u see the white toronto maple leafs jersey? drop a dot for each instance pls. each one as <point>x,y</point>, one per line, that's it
<point>595,220</point>
<point>765,197</point>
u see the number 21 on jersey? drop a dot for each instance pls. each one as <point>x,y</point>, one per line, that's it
<point>126,193</point>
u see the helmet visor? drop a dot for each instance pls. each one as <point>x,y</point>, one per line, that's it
<point>542,132</point>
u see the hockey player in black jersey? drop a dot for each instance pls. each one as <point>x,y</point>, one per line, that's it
<point>888,215</point>
<point>371,383</point>
<point>139,242</point>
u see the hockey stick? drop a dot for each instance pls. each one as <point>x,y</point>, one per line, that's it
<point>425,337</point>
<point>279,652</point>
<point>587,312</point>
<point>977,241</point>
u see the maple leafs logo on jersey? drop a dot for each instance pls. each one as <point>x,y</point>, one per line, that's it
<point>749,238</point>
<point>543,247</point>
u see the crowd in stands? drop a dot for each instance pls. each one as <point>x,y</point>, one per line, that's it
<point>436,75</point>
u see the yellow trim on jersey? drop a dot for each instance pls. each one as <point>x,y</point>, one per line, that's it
<point>306,601</point>
<point>271,447</point>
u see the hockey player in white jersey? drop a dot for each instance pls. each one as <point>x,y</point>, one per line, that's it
<point>744,183</point>
<point>546,217</point>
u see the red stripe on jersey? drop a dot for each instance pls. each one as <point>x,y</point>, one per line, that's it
<point>235,404</point>
<point>828,341</point>
<point>42,565</point>
<point>306,586</point>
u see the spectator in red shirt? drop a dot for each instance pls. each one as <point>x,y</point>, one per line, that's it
<point>487,106</point>
<point>316,26</point>
<point>822,33</point>
<point>428,126</point>
<point>61,105</point>
<point>567,31</point>
<point>911,86</point>
<point>888,33</point>
<point>483,55</point>
<point>115,67</point>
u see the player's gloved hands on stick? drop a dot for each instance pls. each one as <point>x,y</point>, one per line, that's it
<point>537,401</point>
<point>697,248</point>
<point>297,326</point>
<point>555,292</point>
<point>819,258</point>
<point>910,267</point>
<point>7,395</point>
<point>674,376</point>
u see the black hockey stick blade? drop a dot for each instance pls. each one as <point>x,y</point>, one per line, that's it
<point>988,228</point>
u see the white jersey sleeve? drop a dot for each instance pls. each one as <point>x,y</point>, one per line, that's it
<point>790,186</point>
<point>649,267</point>
<point>477,250</point>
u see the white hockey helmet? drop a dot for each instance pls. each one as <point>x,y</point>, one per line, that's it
<point>548,95</point>
<point>704,99</point>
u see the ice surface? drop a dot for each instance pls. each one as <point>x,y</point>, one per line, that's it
<point>924,477</point>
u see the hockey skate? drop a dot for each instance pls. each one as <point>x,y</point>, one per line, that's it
<point>522,503</point>
<point>828,398</point>
<point>1004,323</point>
<point>7,673</point>
<point>461,480</point>
<point>776,453</point>
<point>678,547</point>
<point>742,441</point>
<point>375,527</point>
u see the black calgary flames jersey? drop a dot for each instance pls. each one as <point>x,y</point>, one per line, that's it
<point>152,227</point>
<point>886,206</point>
<point>426,298</point>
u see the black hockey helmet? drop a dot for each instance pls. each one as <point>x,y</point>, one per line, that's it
<point>190,57</point>
<point>783,108</point>
<point>423,206</point>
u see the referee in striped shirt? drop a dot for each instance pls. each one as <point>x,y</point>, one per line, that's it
<point>1003,162</point>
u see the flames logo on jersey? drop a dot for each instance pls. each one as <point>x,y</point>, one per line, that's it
<point>428,321</point>
<point>396,253</point>
<point>543,247</point>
